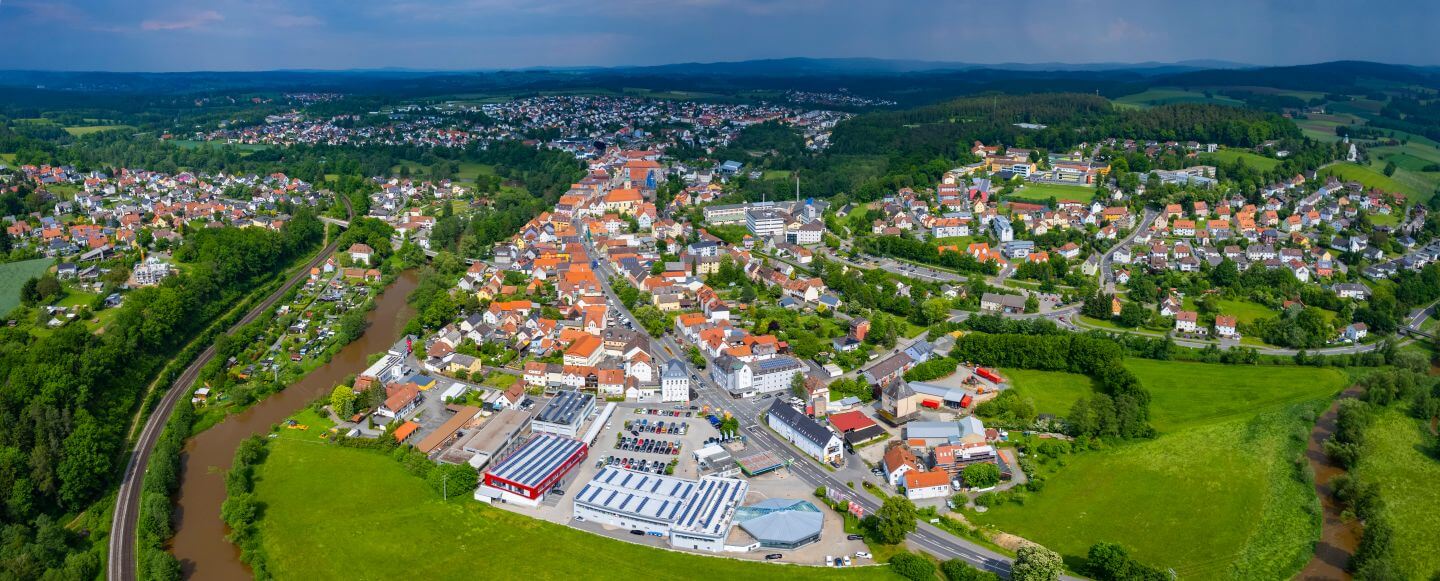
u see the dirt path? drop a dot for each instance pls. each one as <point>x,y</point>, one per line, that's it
<point>1338,537</point>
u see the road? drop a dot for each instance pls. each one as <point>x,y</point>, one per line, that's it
<point>933,540</point>
<point>122,564</point>
<point>1107,262</point>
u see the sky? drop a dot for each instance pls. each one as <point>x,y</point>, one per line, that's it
<point>189,35</point>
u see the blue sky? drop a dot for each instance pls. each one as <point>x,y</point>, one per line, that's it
<point>182,35</point>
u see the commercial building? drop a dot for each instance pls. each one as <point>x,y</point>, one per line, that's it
<point>781,523</point>
<point>674,382</point>
<point>807,434</point>
<point>929,484</point>
<point>968,430</point>
<point>495,438</point>
<point>764,222</point>
<point>563,414</point>
<point>526,475</point>
<point>743,378</point>
<point>692,514</point>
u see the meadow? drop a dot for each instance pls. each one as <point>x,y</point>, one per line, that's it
<point>1395,458</point>
<point>1054,392</point>
<point>1168,96</point>
<point>1213,496</point>
<point>13,275</point>
<point>1375,178</point>
<point>1254,160</point>
<point>335,513</point>
<point>1043,193</point>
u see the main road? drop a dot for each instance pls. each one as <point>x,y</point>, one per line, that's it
<point>122,565</point>
<point>747,411</point>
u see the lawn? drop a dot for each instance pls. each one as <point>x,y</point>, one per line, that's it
<point>777,174</point>
<point>1254,160</point>
<point>1213,502</point>
<point>1395,458</point>
<point>500,380</point>
<point>321,521</point>
<point>1372,178</point>
<point>1043,192</point>
<point>1245,311</point>
<point>13,275</point>
<point>1188,395</point>
<point>1054,392</point>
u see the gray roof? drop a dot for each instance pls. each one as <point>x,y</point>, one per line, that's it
<point>780,520</point>
<point>565,408</point>
<point>674,369</point>
<point>806,427</point>
<point>538,458</point>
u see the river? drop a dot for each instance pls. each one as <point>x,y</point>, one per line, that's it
<point>199,541</point>
<point>1338,537</point>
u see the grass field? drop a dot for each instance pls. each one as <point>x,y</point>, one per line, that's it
<point>1251,159</point>
<point>1054,392</point>
<point>1214,496</point>
<point>1373,178</point>
<point>1186,395</point>
<point>1245,311</point>
<point>1169,96</point>
<point>1043,192</point>
<point>88,129</point>
<point>777,174</point>
<point>1395,458</point>
<point>7,157</point>
<point>1214,502</point>
<point>335,513</point>
<point>13,275</point>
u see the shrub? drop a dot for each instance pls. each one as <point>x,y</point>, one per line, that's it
<point>913,567</point>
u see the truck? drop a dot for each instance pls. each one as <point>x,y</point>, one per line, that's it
<point>990,375</point>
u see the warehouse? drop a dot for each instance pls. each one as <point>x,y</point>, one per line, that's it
<point>564,413</point>
<point>526,475</point>
<point>692,514</point>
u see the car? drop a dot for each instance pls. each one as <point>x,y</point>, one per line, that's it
<point>829,561</point>
<point>847,560</point>
<point>863,555</point>
<point>637,532</point>
<point>854,537</point>
<point>558,492</point>
<point>773,556</point>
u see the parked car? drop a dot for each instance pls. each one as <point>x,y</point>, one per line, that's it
<point>773,556</point>
<point>637,532</point>
<point>863,555</point>
<point>854,537</point>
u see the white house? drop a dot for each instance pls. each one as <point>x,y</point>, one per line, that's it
<point>674,382</point>
<point>807,434</point>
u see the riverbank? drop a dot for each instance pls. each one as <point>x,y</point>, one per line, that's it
<point>200,542</point>
<point>1339,536</point>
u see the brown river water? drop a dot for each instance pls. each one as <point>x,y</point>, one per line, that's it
<point>1338,537</point>
<point>199,542</point>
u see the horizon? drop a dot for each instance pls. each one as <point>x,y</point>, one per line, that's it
<point>160,36</point>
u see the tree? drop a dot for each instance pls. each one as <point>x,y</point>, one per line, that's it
<point>959,570</point>
<point>797,384</point>
<point>1032,303</point>
<point>1097,306</point>
<point>1389,168</point>
<point>1111,562</point>
<point>1036,563</point>
<point>453,479</point>
<point>894,520</point>
<point>342,401</point>
<point>981,475</point>
<point>912,566</point>
<point>1132,315</point>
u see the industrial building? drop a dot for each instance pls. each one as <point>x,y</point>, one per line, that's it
<point>692,514</point>
<point>563,414</point>
<point>526,475</point>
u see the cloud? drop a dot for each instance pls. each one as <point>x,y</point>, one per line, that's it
<point>187,22</point>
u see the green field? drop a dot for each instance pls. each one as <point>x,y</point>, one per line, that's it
<point>1243,310</point>
<point>1043,193</point>
<point>1254,160</point>
<point>1215,502</point>
<point>1170,96</point>
<point>1395,457</point>
<point>1186,395</point>
<point>88,129</point>
<point>1373,178</point>
<point>777,174</point>
<point>1213,496</point>
<point>7,157</point>
<point>1054,392</point>
<point>342,513</point>
<point>13,275</point>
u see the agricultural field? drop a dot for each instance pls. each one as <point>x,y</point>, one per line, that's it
<point>1395,457</point>
<point>1225,456</point>
<point>1170,96</point>
<point>88,129</point>
<point>13,275</point>
<point>1054,392</point>
<point>394,526</point>
<point>1254,160</point>
<point>1043,193</point>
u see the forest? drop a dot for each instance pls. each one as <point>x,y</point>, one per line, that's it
<point>66,400</point>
